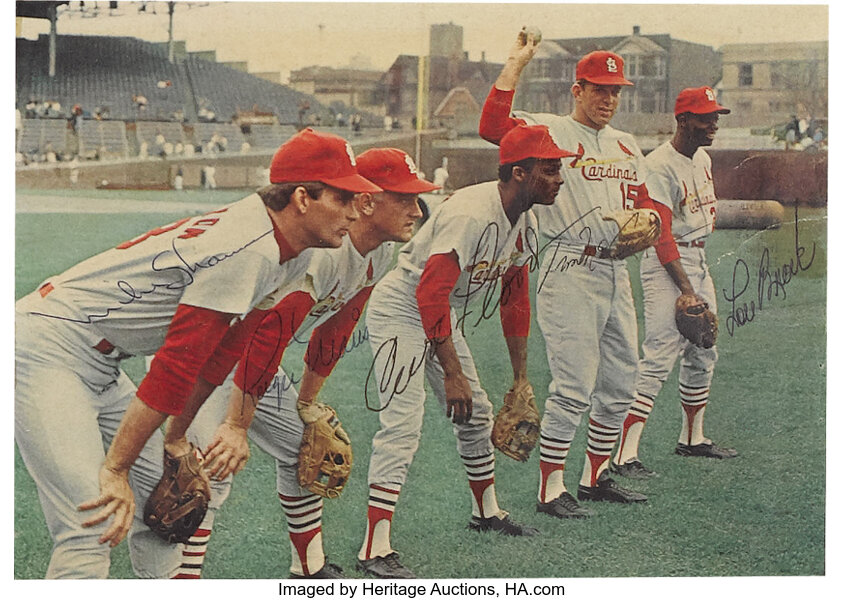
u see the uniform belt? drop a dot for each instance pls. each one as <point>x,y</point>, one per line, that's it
<point>597,251</point>
<point>106,348</point>
<point>692,244</point>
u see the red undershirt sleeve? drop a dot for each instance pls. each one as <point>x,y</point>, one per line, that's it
<point>439,277</point>
<point>192,337</point>
<point>230,349</point>
<point>495,120</point>
<point>262,355</point>
<point>666,248</point>
<point>515,302</point>
<point>328,341</point>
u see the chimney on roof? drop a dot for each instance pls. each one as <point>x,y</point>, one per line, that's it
<point>636,30</point>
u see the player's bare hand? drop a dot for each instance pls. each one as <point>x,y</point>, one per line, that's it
<point>117,499</point>
<point>228,452</point>
<point>458,398</point>
<point>687,301</point>
<point>525,46</point>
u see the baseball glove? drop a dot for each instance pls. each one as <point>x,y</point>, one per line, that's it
<point>695,321</point>
<point>325,455</point>
<point>516,428</point>
<point>177,505</point>
<point>638,229</point>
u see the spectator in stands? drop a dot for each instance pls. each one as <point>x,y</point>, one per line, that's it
<point>206,115</point>
<point>164,84</point>
<point>75,120</point>
<point>340,120</point>
<point>356,123</point>
<point>141,102</point>
<point>50,153</point>
<point>189,150</point>
<point>245,147</point>
<point>31,109</point>
<point>178,182</point>
<point>791,132</point>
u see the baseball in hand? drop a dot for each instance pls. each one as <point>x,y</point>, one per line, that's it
<point>525,31</point>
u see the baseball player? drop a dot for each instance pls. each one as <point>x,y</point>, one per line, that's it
<point>680,182</point>
<point>474,242</point>
<point>174,290</point>
<point>584,301</point>
<point>330,302</point>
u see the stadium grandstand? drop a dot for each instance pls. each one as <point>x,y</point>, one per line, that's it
<point>119,97</point>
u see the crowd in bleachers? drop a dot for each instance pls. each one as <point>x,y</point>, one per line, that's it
<point>110,97</point>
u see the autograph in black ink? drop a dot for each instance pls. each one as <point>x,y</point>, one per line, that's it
<point>488,280</point>
<point>279,337</point>
<point>182,276</point>
<point>771,282</point>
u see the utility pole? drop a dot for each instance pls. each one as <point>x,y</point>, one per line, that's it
<point>171,6</point>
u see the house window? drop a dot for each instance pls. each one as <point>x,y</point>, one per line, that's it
<point>745,75</point>
<point>649,66</point>
<point>630,66</point>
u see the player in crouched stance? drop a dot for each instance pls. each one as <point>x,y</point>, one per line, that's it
<point>474,242</point>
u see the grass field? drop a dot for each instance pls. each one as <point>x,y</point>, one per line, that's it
<point>762,514</point>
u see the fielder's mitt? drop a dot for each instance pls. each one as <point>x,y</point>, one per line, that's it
<point>325,454</point>
<point>516,428</point>
<point>638,229</point>
<point>178,503</point>
<point>695,321</point>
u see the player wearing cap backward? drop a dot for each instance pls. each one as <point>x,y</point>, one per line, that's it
<point>173,291</point>
<point>481,238</point>
<point>584,300</point>
<point>329,300</point>
<point>680,181</point>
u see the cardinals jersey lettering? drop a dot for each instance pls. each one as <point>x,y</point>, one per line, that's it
<point>225,261</point>
<point>686,187</point>
<point>603,177</point>
<point>473,224</point>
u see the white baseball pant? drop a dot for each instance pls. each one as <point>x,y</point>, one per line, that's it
<point>401,354</point>
<point>663,343</point>
<point>69,401</point>
<point>276,429</point>
<point>587,318</point>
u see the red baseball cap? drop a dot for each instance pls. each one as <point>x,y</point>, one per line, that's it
<point>603,68</point>
<point>529,141</point>
<point>393,170</point>
<point>700,101</point>
<point>315,156</point>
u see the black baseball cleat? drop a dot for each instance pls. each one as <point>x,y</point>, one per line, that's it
<point>607,490</point>
<point>564,507</point>
<point>385,567</point>
<point>633,469</point>
<point>502,524</point>
<point>328,571</point>
<point>707,450</point>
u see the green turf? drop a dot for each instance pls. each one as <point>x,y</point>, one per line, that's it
<point>761,514</point>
